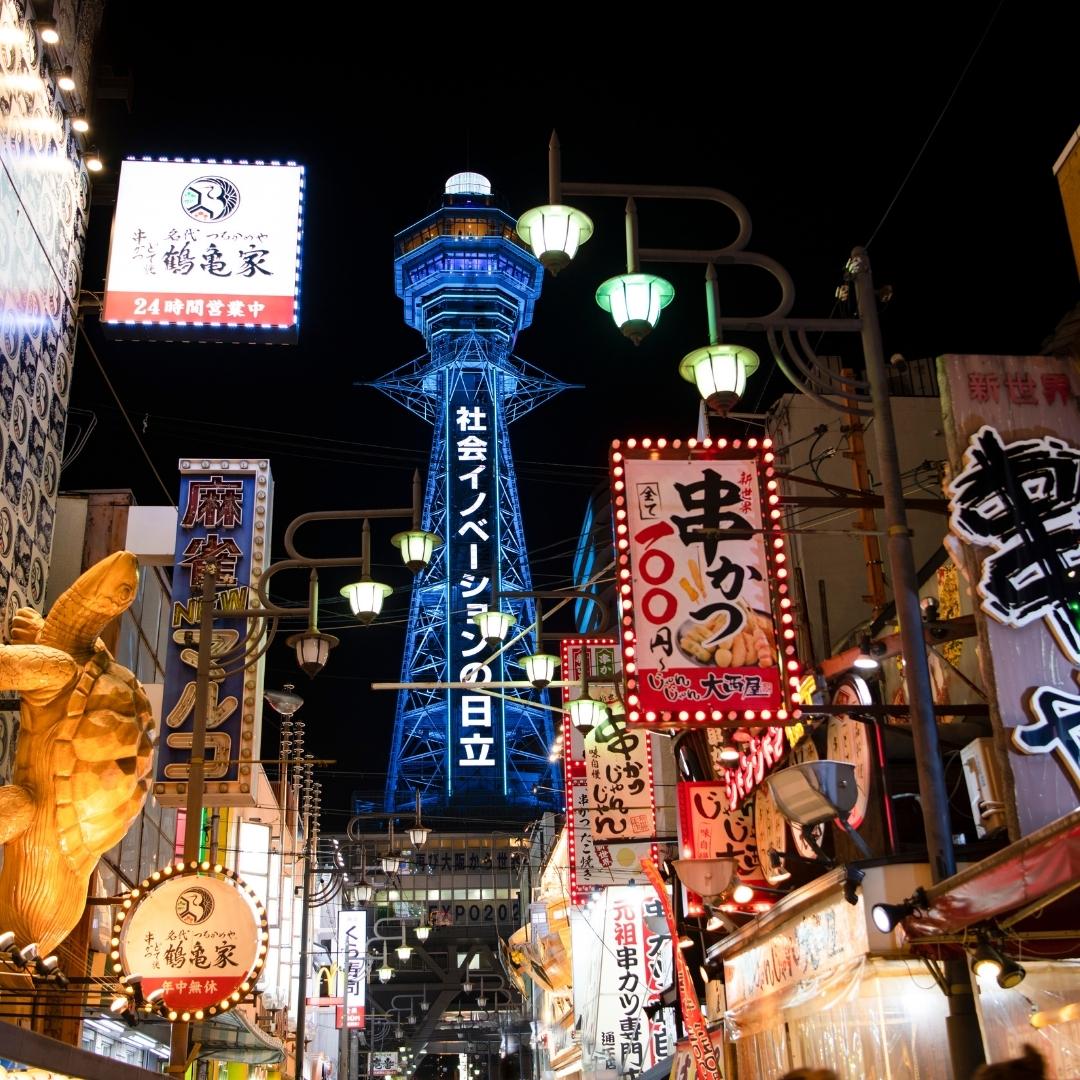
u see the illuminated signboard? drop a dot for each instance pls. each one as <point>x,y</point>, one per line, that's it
<point>196,936</point>
<point>477,759</point>
<point>706,609</point>
<point>592,866</point>
<point>352,949</point>
<point>224,518</point>
<point>205,250</point>
<point>1013,433</point>
<point>622,961</point>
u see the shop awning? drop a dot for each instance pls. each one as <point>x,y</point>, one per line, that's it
<point>230,1036</point>
<point>1016,883</point>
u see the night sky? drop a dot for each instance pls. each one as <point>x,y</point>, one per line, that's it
<point>933,142</point>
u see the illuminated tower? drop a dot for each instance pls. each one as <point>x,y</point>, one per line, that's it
<point>469,286</point>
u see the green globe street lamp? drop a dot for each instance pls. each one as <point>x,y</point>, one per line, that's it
<point>635,301</point>
<point>554,233</point>
<point>720,372</point>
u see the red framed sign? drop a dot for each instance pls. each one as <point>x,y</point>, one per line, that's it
<point>706,612</point>
<point>594,866</point>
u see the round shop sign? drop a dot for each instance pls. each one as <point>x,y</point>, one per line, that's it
<point>190,940</point>
<point>847,740</point>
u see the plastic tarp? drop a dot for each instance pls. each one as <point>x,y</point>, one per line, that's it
<point>232,1037</point>
<point>865,1018</point>
<point>1031,869</point>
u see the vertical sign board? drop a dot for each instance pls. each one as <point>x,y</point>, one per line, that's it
<point>351,950</point>
<point>477,761</point>
<point>712,827</point>
<point>223,518</point>
<point>707,616</point>
<point>628,963</point>
<point>1013,434</point>
<point>592,866</point>
<point>205,250</point>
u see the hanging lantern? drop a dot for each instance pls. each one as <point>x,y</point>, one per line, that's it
<point>416,547</point>
<point>366,598</point>
<point>312,649</point>
<point>493,626</point>
<point>585,713</point>
<point>720,372</point>
<point>540,668</point>
<point>635,302</point>
<point>554,233</point>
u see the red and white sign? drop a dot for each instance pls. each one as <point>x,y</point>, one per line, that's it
<point>592,866</point>
<point>201,246</point>
<point>699,571</point>
<point>197,935</point>
<point>618,772</point>
<point>710,828</point>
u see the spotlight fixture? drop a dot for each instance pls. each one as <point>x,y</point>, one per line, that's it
<point>92,160</point>
<point>987,962</point>
<point>7,939</point>
<point>48,30</point>
<point>79,123</point>
<point>851,884</point>
<point>66,80</point>
<point>742,894</point>
<point>887,916</point>
<point>1011,974</point>
<point>686,942</point>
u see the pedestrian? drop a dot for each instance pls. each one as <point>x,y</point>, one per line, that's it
<point>1028,1066</point>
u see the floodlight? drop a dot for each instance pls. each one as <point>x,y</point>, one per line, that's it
<point>709,878</point>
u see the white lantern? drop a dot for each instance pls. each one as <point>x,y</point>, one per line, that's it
<point>554,233</point>
<point>720,372</point>
<point>366,598</point>
<point>540,668</point>
<point>493,626</point>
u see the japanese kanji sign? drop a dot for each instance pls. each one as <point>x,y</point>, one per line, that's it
<point>711,828</point>
<point>351,951</point>
<point>592,866</point>
<point>1013,433</point>
<point>210,250</point>
<point>477,759</point>
<point>698,572</point>
<point>628,949</point>
<point>618,772</point>
<point>198,936</point>
<point>708,1068</point>
<point>223,518</point>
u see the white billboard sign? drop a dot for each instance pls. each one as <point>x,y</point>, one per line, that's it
<point>205,250</point>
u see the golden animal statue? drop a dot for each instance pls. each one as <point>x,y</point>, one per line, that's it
<point>83,757</point>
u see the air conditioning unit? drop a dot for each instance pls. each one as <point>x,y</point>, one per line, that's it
<point>984,787</point>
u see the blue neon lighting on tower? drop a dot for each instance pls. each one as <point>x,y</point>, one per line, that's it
<point>469,286</point>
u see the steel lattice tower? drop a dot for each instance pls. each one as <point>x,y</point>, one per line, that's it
<point>469,287</point>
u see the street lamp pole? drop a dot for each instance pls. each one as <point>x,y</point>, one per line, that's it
<point>791,350</point>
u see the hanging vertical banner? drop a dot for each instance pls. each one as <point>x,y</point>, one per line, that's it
<point>618,767</point>
<point>223,518</point>
<point>627,964</point>
<point>709,828</point>
<point>1013,434</point>
<point>707,597</point>
<point>352,947</point>
<point>592,866</point>
<point>704,1052</point>
<point>477,761</point>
